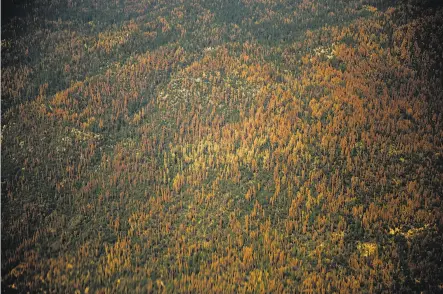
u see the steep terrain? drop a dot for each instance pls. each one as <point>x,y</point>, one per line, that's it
<point>222,146</point>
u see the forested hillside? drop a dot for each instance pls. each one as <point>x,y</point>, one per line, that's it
<point>222,146</point>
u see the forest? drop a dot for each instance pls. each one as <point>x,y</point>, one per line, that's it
<point>222,146</point>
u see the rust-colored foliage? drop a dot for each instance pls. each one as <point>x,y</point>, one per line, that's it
<point>205,146</point>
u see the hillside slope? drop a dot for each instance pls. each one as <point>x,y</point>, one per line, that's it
<point>222,146</point>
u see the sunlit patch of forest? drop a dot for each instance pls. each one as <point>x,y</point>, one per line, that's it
<point>222,146</point>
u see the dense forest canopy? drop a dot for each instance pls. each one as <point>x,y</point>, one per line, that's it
<point>222,146</point>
